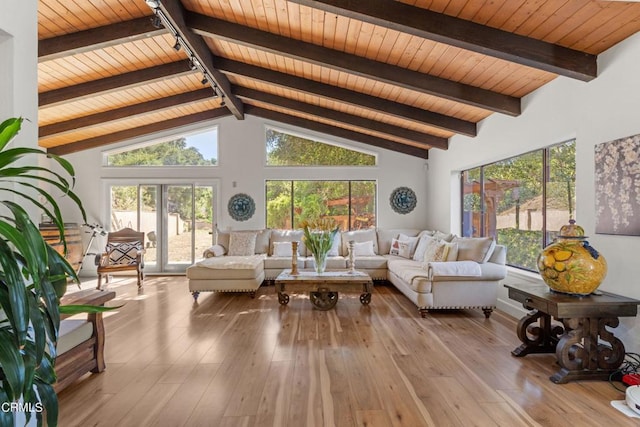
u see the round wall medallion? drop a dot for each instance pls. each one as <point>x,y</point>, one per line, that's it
<point>403,200</point>
<point>241,207</point>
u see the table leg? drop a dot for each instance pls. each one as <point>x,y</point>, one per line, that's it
<point>580,353</point>
<point>283,298</point>
<point>323,299</point>
<point>365,298</point>
<point>536,338</point>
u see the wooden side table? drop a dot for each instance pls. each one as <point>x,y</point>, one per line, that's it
<point>579,341</point>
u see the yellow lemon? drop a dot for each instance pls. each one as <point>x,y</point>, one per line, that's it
<point>559,266</point>
<point>563,255</point>
<point>549,261</point>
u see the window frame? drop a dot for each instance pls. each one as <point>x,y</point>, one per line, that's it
<point>161,140</point>
<point>320,140</point>
<point>546,153</point>
<point>293,206</point>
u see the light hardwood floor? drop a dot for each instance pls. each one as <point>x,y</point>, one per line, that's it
<point>236,361</point>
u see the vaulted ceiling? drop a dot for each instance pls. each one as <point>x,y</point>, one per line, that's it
<point>401,75</point>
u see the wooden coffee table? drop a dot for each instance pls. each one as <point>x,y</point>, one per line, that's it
<point>323,288</point>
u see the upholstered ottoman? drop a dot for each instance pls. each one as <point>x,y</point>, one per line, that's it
<point>226,274</point>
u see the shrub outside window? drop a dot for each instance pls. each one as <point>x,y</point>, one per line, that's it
<point>351,204</point>
<point>522,201</point>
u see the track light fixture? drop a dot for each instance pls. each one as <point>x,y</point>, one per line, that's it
<point>156,21</point>
<point>160,19</point>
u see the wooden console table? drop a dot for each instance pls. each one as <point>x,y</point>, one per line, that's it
<point>579,341</point>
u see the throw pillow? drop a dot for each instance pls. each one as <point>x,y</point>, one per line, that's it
<point>395,247</point>
<point>215,250</point>
<point>436,251</point>
<point>447,237</point>
<point>282,249</point>
<point>412,241</point>
<point>402,249</point>
<point>418,254</point>
<point>123,253</point>
<point>242,243</point>
<point>452,253</point>
<point>335,246</point>
<point>478,249</point>
<point>363,249</point>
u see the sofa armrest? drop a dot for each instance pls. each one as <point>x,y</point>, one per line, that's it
<point>492,271</point>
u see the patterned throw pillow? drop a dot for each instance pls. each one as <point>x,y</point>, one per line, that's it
<point>123,253</point>
<point>242,243</point>
<point>400,248</point>
<point>436,251</point>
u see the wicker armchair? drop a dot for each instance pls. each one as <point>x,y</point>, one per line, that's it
<point>124,252</point>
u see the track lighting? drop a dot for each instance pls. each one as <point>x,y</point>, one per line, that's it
<point>177,46</point>
<point>153,4</point>
<point>156,21</point>
<point>222,103</point>
<point>192,64</point>
<point>204,80</point>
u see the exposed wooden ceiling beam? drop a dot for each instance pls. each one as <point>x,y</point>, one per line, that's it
<point>465,34</point>
<point>124,135</point>
<point>125,112</point>
<point>319,55</point>
<point>337,132</point>
<point>340,117</point>
<point>96,38</point>
<point>351,97</point>
<point>114,83</point>
<point>175,13</point>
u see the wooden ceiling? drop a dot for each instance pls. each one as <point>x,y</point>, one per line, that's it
<point>401,75</point>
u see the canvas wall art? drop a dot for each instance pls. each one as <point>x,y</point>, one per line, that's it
<point>617,174</point>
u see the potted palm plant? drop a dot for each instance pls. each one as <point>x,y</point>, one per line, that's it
<point>33,276</point>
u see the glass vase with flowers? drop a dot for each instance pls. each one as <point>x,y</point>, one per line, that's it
<point>318,238</point>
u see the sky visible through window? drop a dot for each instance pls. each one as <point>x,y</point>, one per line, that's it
<point>206,143</point>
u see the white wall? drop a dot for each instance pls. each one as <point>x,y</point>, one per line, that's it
<point>242,161</point>
<point>601,110</point>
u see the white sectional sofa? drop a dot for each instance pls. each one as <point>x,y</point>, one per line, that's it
<point>458,273</point>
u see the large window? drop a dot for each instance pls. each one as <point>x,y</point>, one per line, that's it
<point>522,201</point>
<point>198,149</point>
<point>352,204</point>
<point>285,149</point>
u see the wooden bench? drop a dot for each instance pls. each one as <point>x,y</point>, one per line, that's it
<point>81,341</point>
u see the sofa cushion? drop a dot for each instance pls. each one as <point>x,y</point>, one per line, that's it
<point>386,236</point>
<point>436,250</point>
<point>288,236</point>
<point>359,236</point>
<point>361,249</point>
<point>282,249</point>
<point>262,239</point>
<point>478,249</point>
<point>411,272</point>
<point>215,250</point>
<point>282,263</point>
<point>411,240</point>
<point>370,262</point>
<point>73,332</point>
<point>401,249</point>
<point>447,237</point>
<point>335,246</point>
<point>242,243</point>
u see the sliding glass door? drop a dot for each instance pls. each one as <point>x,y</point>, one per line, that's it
<point>177,220</point>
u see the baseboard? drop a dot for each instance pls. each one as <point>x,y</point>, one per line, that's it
<point>515,276</point>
